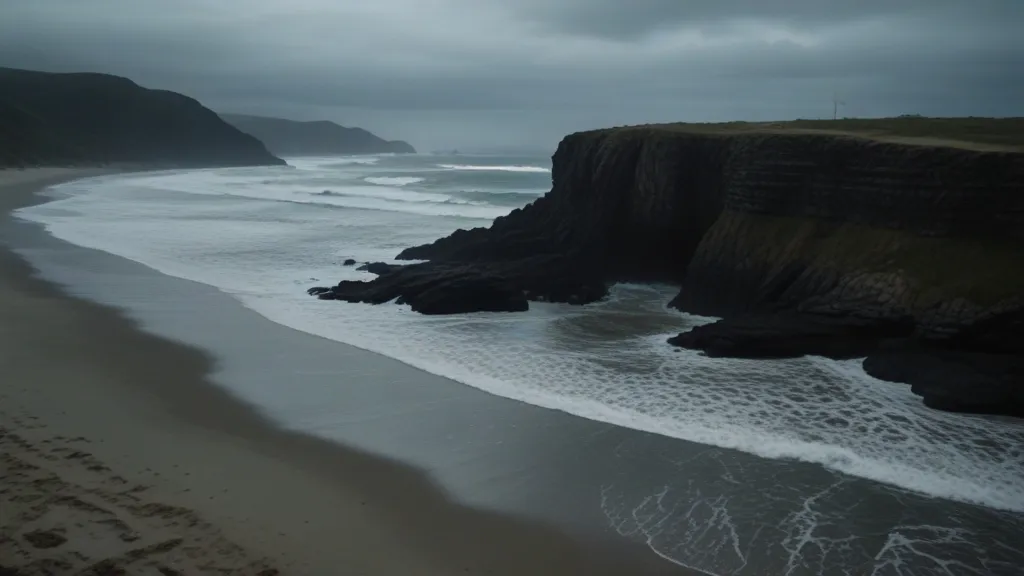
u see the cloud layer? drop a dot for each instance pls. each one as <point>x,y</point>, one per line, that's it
<point>491,72</point>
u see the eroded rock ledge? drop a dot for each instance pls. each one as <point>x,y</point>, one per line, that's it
<point>909,253</point>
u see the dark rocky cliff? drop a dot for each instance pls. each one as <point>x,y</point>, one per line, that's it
<point>292,138</point>
<point>803,241</point>
<point>86,118</point>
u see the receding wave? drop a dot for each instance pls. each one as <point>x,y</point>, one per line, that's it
<point>512,168</point>
<point>392,180</point>
<point>394,194</point>
<point>503,198</point>
<point>441,207</point>
<point>308,163</point>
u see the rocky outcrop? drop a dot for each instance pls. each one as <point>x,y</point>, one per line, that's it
<point>804,242</point>
<point>790,334</point>
<point>83,118</point>
<point>318,138</point>
<point>954,380</point>
<point>456,287</point>
<point>442,289</point>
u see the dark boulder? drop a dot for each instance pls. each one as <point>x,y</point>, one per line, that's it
<point>956,381</point>
<point>322,292</point>
<point>468,293</point>
<point>379,268</point>
<point>349,262</point>
<point>455,287</point>
<point>433,289</point>
<point>792,334</point>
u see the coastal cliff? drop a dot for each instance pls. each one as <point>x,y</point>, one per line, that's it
<point>318,138</point>
<point>905,249</point>
<point>86,118</point>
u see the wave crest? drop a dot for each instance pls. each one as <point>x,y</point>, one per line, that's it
<point>511,168</point>
<point>392,180</point>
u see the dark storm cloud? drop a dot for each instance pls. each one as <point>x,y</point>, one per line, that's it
<point>622,19</point>
<point>457,72</point>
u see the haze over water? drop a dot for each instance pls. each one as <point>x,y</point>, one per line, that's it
<point>264,235</point>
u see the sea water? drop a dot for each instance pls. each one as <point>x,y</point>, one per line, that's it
<point>264,235</point>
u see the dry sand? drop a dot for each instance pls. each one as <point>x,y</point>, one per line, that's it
<point>119,456</point>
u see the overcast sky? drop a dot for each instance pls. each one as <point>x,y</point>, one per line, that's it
<point>466,73</point>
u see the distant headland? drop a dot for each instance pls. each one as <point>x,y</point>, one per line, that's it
<point>294,138</point>
<point>49,119</point>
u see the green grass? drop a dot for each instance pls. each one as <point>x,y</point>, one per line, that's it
<point>971,132</point>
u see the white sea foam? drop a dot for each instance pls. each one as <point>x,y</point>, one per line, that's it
<point>379,192</point>
<point>607,362</point>
<point>393,180</point>
<point>412,205</point>
<point>333,161</point>
<point>359,196</point>
<point>514,168</point>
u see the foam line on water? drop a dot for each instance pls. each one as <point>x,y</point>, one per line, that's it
<point>357,196</point>
<point>393,180</point>
<point>313,163</point>
<point>513,168</point>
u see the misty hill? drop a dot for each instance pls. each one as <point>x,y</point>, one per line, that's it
<point>294,138</point>
<point>88,118</point>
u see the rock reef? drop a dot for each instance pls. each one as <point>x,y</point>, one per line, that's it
<point>905,246</point>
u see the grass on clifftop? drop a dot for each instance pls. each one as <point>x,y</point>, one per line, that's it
<point>972,132</point>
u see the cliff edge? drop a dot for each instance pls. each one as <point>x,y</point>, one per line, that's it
<point>319,138</point>
<point>86,118</point>
<point>895,241</point>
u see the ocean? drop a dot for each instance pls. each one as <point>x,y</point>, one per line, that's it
<point>265,235</point>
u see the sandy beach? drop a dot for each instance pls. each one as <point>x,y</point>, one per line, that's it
<point>120,456</point>
<point>157,425</point>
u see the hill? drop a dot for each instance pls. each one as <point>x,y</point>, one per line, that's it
<point>89,118</point>
<point>294,138</point>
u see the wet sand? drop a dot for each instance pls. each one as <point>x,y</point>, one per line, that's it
<point>118,451</point>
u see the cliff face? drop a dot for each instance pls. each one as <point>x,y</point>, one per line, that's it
<point>292,138</point>
<point>757,221</point>
<point>820,223</point>
<point>97,118</point>
<point>911,253</point>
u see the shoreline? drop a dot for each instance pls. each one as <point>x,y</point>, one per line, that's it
<point>224,481</point>
<point>497,472</point>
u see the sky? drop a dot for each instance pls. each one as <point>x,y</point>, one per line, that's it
<point>469,74</point>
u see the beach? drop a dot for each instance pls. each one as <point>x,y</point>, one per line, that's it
<point>119,451</point>
<point>159,424</point>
